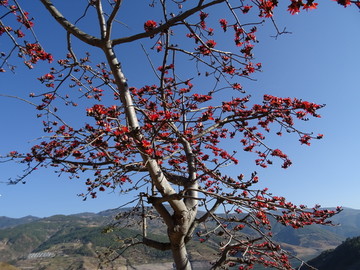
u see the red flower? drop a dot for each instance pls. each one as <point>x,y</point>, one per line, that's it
<point>153,117</point>
<point>150,25</point>
<point>310,5</point>
<point>36,53</point>
<point>305,139</point>
<point>223,24</point>
<point>294,7</point>
<point>24,19</point>
<point>13,153</point>
<point>266,8</point>
<point>205,50</point>
<point>48,76</point>
<point>344,3</point>
<point>278,153</point>
<point>239,227</point>
<point>203,16</point>
<point>249,68</point>
<point>211,43</point>
<point>237,86</point>
<point>246,9</point>
<point>229,69</point>
<point>247,50</point>
<point>201,98</point>
<point>19,33</point>
<point>145,143</point>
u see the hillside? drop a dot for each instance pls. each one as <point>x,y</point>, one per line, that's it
<point>349,223</point>
<point>345,257</point>
<point>6,266</point>
<point>6,222</point>
<point>76,241</point>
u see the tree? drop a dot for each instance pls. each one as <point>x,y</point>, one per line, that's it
<point>168,140</point>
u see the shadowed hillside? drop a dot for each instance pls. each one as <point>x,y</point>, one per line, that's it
<point>345,257</point>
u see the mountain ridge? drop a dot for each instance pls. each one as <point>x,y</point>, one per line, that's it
<point>79,238</point>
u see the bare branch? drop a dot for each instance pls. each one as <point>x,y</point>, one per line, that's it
<point>166,25</point>
<point>69,27</point>
<point>111,18</point>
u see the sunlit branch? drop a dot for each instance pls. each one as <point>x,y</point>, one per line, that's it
<point>110,20</point>
<point>68,26</point>
<point>101,18</point>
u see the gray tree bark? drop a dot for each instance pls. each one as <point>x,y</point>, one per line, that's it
<point>184,209</point>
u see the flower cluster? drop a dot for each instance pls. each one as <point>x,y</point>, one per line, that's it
<point>150,25</point>
<point>31,52</point>
<point>205,49</point>
<point>36,53</point>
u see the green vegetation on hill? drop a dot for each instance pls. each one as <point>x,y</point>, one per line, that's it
<point>344,257</point>
<point>78,239</point>
<point>23,239</point>
<point>5,266</point>
<point>310,236</point>
<point>6,222</point>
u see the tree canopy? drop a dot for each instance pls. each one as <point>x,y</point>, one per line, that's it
<point>171,139</point>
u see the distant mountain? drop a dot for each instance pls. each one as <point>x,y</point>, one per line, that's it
<point>345,257</point>
<point>6,222</point>
<point>315,237</point>
<point>349,223</point>
<point>74,241</point>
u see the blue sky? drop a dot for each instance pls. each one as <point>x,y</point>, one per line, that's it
<point>318,62</point>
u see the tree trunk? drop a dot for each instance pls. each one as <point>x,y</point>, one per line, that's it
<point>177,234</point>
<point>180,256</point>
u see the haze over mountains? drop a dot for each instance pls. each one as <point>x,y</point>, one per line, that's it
<point>74,241</point>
